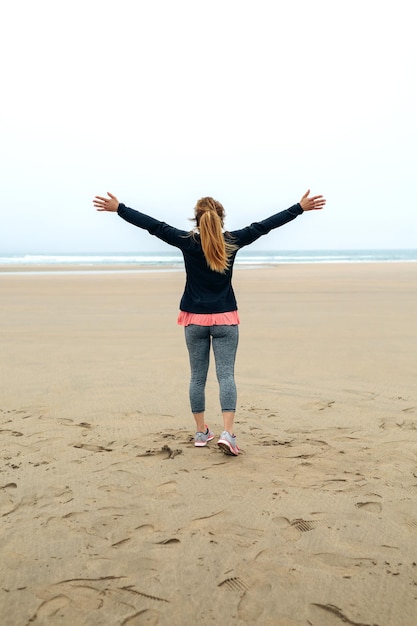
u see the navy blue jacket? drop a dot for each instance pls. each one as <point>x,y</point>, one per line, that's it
<point>206,291</point>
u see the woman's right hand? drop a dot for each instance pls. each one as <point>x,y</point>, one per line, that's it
<point>106,204</point>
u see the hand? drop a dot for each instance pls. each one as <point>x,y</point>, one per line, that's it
<point>313,203</point>
<point>106,204</point>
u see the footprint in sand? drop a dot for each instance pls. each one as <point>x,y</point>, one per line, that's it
<point>250,610</point>
<point>291,530</point>
<point>366,395</point>
<point>25,502</point>
<point>268,441</point>
<point>135,541</point>
<point>91,447</point>
<point>393,423</point>
<point>181,436</point>
<point>234,584</point>
<point>147,617</point>
<point>122,543</point>
<point>20,413</point>
<point>341,561</point>
<point>205,522</point>
<point>12,433</point>
<point>372,507</point>
<point>50,608</point>
<point>412,524</point>
<point>167,489</point>
<point>321,405</point>
<point>145,528</point>
<point>9,486</point>
<point>166,452</point>
<point>64,600</point>
<point>317,611</point>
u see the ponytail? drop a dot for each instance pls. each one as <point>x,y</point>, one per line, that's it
<point>209,217</point>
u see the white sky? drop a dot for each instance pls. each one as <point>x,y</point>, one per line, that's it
<point>164,101</point>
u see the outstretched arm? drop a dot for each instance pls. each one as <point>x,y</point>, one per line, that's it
<point>106,204</point>
<point>165,232</point>
<point>251,233</point>
<point>313,203</point>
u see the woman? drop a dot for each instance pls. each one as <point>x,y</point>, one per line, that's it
<point>208,308</point>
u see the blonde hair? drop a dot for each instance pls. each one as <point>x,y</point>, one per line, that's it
<point>209,219</point>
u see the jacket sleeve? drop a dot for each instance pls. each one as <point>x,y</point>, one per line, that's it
<point>169,234</point>
<point>251,233</point>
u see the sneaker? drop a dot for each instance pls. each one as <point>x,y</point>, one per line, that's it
<point>227,443</point>
<point>201,439</point>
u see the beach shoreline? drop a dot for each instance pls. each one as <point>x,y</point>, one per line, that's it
<point>111,268</point>
<point>171,260</point>
<point>111,515</point>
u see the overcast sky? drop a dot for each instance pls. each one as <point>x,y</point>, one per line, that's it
<point>164,101</point>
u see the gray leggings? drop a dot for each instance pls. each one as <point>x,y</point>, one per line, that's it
<point>224,339</point>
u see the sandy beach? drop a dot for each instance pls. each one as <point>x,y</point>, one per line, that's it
<point>109,514</point>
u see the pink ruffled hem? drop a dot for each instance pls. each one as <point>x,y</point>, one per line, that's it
<point>230,318</point>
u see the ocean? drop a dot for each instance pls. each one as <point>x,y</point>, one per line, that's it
<point>154,261</point>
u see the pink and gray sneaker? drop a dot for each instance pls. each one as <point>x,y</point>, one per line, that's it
<point>201,439</point>
<point>227,443</point>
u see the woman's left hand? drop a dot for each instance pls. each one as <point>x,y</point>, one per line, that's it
<point>313,203</point>
<point>106,204</point>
